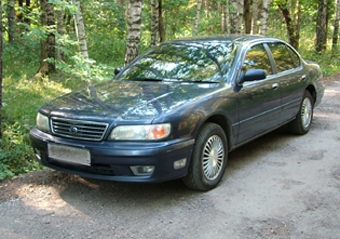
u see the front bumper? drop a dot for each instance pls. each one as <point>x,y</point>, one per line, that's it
<point>113,160</point>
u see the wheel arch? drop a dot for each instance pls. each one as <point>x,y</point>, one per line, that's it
<point>312,91</point>
<point>225,125</point>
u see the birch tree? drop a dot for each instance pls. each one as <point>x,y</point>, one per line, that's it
<point>225,17</point>
<point>61,30</point>
<point>255,14</point>
<point>134,22</point>
<point>336,25</point>
<point>197,18</point>
<point>80,30</point>
<point>264,17</point>
<point>236,16</point>
<point>154,22</point>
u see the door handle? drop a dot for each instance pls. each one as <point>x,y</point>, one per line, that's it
<point>275,86</point>
<point>303,78</point>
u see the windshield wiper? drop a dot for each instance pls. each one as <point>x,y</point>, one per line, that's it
<point>145,79</point>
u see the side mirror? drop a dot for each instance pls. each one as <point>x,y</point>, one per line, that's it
<point>118,70</point>
<point>253,75</point>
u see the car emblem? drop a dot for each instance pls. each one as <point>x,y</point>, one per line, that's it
<point>73,130</point>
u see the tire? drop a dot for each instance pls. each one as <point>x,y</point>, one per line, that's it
<point>209,158</point>
<point>302,123</point>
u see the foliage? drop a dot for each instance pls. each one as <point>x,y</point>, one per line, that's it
<point>22,98</point>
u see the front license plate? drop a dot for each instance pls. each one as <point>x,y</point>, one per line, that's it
<point>69,154</point>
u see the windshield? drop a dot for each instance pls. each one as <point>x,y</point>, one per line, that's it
<point>181,61</point>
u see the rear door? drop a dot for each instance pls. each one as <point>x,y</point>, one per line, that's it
<point>291,77</point>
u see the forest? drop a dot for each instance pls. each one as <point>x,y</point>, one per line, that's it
<point>51,47</point>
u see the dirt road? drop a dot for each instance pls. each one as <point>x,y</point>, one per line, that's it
<point>279,186</point>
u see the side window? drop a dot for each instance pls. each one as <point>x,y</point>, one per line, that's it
<point>257,58</point>
<point>285,58</point>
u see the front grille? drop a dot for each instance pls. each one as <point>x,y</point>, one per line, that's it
<point>79,129</point>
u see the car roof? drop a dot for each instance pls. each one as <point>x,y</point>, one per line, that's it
<point>236,38</point>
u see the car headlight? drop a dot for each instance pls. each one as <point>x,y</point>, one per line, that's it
<point>140,132</point>
<point>43,123</point>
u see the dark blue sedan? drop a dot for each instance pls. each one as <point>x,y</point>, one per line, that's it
<point>178,109</point>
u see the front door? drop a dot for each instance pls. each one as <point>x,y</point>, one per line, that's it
<point>259,101</point>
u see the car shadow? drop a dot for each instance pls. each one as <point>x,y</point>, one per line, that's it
<point>124,195</point>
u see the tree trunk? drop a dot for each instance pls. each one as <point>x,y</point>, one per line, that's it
<point>264,17</point>
<point>134,23</point>
<point>154,22</point>
<point>11,20</point>
<point>225,17</point>
<point>0,69</point>
<point>336,26</point>
<point>236,16</point>
<point>292,21</point>
<point>80,30</point>
<point>207,6</point>
<point>247,16</point>
<point>321,29</point>
<point>161,23</point>
<point>61,31</point>
<point>197,18</point>
<point>255,16</point>
<point>48,45</point>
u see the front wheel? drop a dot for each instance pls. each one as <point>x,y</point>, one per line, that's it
<point>303,120</point>
<point>209,158</point>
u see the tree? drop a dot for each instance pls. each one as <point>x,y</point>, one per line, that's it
<point>61,30</point>
<point>236,16</point>
<point>80,30</point>
<point>321,26</point>
<point>197,18</point>
<point>154,22</point>
<point>255,16</point>
<point>336,25</point>
<point>47,56</point>
<point>291,12</point>
<point>161,22</point>
<point>134,23</point>
<point>225,16</point>
<point>11,20</point>
<point>264,17</point>
<point>247,15</point>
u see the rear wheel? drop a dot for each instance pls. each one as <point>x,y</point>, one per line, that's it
<point>209,158</point>
<point>303,120</point>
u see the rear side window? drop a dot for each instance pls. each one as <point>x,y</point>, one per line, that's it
<point>285,58</point>
<point>257,58</point>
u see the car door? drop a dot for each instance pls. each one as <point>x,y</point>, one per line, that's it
<point>259,101</point>
<point>291,77</point>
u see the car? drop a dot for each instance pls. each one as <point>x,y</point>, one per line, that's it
<point>178,109</point>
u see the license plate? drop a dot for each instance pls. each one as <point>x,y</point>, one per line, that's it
<point>69,154</point>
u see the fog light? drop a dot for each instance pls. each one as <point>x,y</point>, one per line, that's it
<point>142,170</point>
<point>180,163</point>
<point>37,154</point>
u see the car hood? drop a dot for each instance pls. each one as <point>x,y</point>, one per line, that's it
<point>127,100</point>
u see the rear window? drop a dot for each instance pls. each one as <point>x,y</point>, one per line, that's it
<point>285,58</point>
